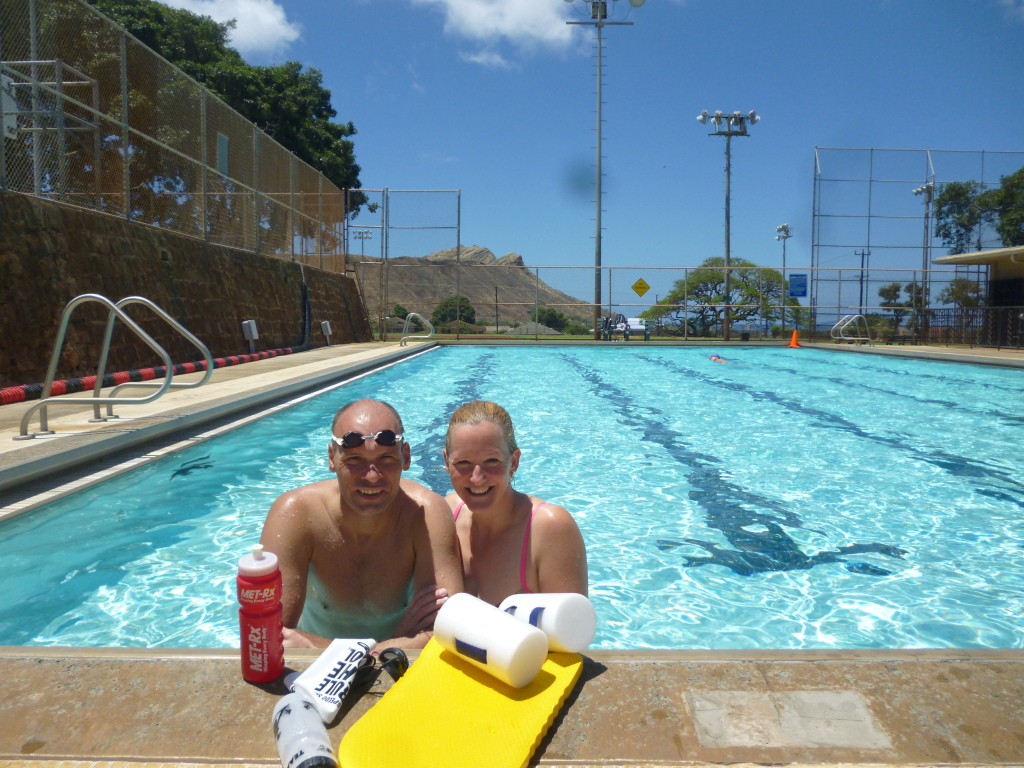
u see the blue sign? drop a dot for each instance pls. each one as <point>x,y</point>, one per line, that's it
<point>797,286</point>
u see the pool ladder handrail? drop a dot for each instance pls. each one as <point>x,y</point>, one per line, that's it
<point>116,311</point>
<point>858,322</point>
<point>405,328</point>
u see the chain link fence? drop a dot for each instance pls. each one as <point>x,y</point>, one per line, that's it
<point>502,300</point>
<point>93,118</point>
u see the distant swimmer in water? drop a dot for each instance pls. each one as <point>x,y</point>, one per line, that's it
<point>718,359</point>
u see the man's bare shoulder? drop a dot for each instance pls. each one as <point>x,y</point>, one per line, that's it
<point>303,500</point>
<point>419,493</point>
<point>429,503</point>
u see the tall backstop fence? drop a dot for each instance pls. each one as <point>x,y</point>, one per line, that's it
<point>875,208</point>
<point>93,118</point>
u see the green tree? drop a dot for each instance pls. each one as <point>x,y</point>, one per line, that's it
<point>962,206</point>
<point>890,296</point>
<point>285,101</point>
<point>957,216</point>
<point>961,293</point>
<point>1005,206</point>
<point>909,308</point>
<point>402,312</point>
<point>552,318</point>
<point>698,299</point>
<point>452,308</point>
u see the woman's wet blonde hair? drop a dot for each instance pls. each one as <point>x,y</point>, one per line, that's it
<point>478,411</point>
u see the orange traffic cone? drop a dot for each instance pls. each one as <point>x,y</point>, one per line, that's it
<point>793,342</point>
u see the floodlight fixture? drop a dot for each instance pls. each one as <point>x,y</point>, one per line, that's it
<point>702,118</point>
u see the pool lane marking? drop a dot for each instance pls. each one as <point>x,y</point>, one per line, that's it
<point>723,501</point>
<point>953,464</point>
<point>53,493</point>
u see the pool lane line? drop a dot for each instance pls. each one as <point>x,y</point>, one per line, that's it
<point>755,551</point>
<point>953,464</point>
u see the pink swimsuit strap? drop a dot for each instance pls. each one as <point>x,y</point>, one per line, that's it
<point>526,543</point>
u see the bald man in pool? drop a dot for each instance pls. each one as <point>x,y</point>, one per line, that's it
<point>367,553</point>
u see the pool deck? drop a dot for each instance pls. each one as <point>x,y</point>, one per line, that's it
<point>93,708</point>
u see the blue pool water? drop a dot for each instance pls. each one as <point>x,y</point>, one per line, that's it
<point>794,499</point>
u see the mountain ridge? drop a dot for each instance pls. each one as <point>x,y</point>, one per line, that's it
<point>503,291</point>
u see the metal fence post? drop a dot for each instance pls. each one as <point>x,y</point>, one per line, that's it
<point>609,291</point>
<point>839,296</point>
<point>458,263</point>
<point>686,308</point>
<point>385,250</point>
<point>291,206</point>
<point>320,219</point>
<point>125,135</point>
<point>458,291</point>
<point>536,303</point>
<point>37,134</point>
<point>62,137</point>
<point>3,142</point>
<point>255,188</point>
<point>205,191</point>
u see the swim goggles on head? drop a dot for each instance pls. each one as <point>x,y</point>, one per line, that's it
<point>385,437</point>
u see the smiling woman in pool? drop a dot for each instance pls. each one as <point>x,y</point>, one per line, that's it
<point>511,542</point>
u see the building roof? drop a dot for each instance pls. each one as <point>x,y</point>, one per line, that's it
<point>1015,254</point>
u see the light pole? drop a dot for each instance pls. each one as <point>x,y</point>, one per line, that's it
<point>784,233</point>
<point>728,126</point>
<point>928,190</point>
<point>599,20</point>
<point>362,235</point>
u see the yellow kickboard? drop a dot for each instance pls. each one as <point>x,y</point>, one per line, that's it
<point>446,713</point>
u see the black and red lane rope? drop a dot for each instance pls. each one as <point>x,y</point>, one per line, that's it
<point>66,386</point>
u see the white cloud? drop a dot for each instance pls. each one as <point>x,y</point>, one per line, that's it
<point>262,27</point>
<point>1015,8</point>
<point>524,23</point>
<point>487,58</point>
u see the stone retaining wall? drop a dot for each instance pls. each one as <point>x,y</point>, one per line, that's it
<point>51,253</point>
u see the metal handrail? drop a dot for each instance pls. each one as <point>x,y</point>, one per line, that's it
<point>115,309</point>
<point>106,351</point>
<point>405,328</point>
<point>838,331</point>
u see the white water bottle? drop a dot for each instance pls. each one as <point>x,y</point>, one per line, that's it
<point>302,740</point>
<point>567,618</point>
<point>510,650</point>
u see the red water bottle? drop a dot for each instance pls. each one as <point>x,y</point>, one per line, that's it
<point>259,594</point>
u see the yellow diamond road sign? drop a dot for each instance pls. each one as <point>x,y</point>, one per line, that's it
<point>641,287</point>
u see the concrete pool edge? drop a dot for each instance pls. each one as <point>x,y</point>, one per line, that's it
<point>77,707</point>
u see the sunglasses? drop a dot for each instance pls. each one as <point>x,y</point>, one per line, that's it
<point>385,437</point>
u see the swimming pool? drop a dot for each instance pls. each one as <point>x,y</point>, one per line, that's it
<point>793,499</point>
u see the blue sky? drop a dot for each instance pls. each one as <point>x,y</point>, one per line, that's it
<point>496,98</point>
